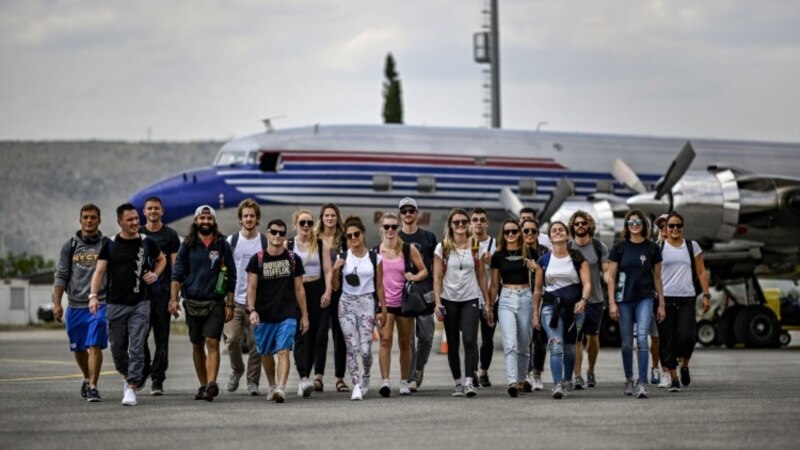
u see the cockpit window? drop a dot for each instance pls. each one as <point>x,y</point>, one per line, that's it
<point>230,157</point>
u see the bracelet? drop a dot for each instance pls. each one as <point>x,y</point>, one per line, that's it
<point>229,305</point>
<point>91,296</point>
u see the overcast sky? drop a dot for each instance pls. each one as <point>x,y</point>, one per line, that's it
<point>191,70</point>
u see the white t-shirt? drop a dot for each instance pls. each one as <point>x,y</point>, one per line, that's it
<point>676,269</point>
<point>245,249</point>
<point>363,268</point>
<point>560,273</point>
<point>459,283</point>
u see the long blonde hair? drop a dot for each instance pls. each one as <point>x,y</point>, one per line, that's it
<point>312,246</point>
<point>447,243</point>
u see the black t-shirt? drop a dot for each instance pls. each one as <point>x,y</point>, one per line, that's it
<point>426,244</point>
<point>511,265</point>
<point>636,262</point>
<point>128,260</point>
<point>275,297</point>
<point>169,243</point>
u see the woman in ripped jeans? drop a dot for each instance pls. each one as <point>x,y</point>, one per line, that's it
<point>563,286</point>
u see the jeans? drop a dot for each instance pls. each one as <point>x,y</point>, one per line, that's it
<point>641,313</point>
<point>421,343</point>
<point>560,341</point>
<point>461,323</point>
<point>514,315</point>
<point>160,319</point>
<point>127,331</point>
<point>677,331</point>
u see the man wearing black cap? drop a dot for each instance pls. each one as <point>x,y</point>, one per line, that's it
<point>426,243</point>
<point>205,273</point>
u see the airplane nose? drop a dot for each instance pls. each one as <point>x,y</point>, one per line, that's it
<point>649,204</point>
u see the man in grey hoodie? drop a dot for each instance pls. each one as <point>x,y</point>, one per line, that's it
<point>87,332</point>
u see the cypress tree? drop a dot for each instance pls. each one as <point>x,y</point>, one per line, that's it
<point>392,101</point>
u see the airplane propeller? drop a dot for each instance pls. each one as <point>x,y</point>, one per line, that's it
<point>564,189</point>
<point>510,202</point>
<point>676,170</point>
<point>625,175</point>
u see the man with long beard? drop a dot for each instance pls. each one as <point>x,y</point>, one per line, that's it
<point>205,274</point>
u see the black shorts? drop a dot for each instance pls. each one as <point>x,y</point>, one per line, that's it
<point>593,318</point>
<point>397,311</point>
<point>209,326</point>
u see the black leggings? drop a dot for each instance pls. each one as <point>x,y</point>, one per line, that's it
<point>305,345</point>
<point>677,332</point>
<point>487,340</point>
<point>461,318</point>
<point>330,320</point>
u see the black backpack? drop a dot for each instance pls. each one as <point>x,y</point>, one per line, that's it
<point>235,240</point>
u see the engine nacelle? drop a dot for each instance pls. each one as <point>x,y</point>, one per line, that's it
<point>602,212</point>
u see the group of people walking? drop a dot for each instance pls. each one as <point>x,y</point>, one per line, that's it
<point>283,295</point>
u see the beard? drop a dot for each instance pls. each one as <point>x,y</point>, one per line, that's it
<point>581,233</point>
<point>207,229</point>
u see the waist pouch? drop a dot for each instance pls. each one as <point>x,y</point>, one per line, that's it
<point>198,308</point>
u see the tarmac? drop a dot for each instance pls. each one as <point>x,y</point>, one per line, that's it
<point>737,399</point>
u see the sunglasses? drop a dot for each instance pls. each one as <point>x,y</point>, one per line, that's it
<point>354,235</point>
<point>634,223</point>
<point>673,226</point>
<point>275,232</point>
<point>408,211</point>
<point>388,227</point>
<point>511,231</point>
<point>530,230</point>
<point>460,223</point>
<point>661,226</point>
<point>580,224</point>
<point>479,220</point>
<point>305,223</point>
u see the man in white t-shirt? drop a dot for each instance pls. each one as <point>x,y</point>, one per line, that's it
<point>246,243</point>
<point>479,221</point>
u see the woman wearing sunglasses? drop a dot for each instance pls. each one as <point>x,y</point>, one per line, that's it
<point>515,306</point>
<point>637,260</point>
<point>538,346</point>
<point>395,275</point>
<point>361,281</point>
<point>684,276</point>
<point>317,282</point>
<point>458,280</point>
<point>562,288</point>
<point>330,230</point>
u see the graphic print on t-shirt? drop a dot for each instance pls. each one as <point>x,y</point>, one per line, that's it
<point>276,269</point>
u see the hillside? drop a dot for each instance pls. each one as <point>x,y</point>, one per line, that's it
<point>44,184</point>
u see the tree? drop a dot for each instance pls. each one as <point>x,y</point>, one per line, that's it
<point>392,100</point>
<point>22,264</point>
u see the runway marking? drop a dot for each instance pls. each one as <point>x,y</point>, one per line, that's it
<point>57,377</point>
<point>37,361</point>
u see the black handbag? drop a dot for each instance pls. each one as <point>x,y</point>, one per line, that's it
<point>417,296</point>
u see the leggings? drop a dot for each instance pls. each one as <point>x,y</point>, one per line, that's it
<point>357,317</point>
<point>305,345</point>
<point>461,318</point>
<point>330,321</point>
<point>677,331</point>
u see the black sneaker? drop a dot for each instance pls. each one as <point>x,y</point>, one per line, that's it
<point>685,377</point>
<point>513,391</point>
<point>93,396</point>
<point>483,380</point>
<point>156,388</point>
<point>201,393</point>
<point>212,390</point>
<point>85,390</point>
<point>675,386</point>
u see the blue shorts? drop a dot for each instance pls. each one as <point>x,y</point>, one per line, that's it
<point>85,329</point>
<point>274,337</point>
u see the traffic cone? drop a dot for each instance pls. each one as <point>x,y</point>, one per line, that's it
<point>443,345</point>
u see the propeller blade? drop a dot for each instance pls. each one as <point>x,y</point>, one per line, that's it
<point>625,175</point>
<point>510,202</point>
<point>564,189</point>
<point>676,170</point>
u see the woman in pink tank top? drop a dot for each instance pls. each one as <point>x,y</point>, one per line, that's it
<point>394,278</point>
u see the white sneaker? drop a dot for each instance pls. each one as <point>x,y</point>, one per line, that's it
<point>666,380</point>
<point>129,398</point>
<point>252,388</point>
<point>365,384</point>
<point>270,392</point>
<point>278,395</point>
<point>558,391</point>
<point>537,384</point>
<point>356,395</point>
<point>404,389</point>
<point>308,388</point>
<point>641,392</point>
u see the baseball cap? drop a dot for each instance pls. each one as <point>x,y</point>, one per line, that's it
<point>205,209</point>
<point>407,201</point>
<point>661,219</point>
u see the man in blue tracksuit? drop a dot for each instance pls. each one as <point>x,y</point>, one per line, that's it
<point>205,275</point>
